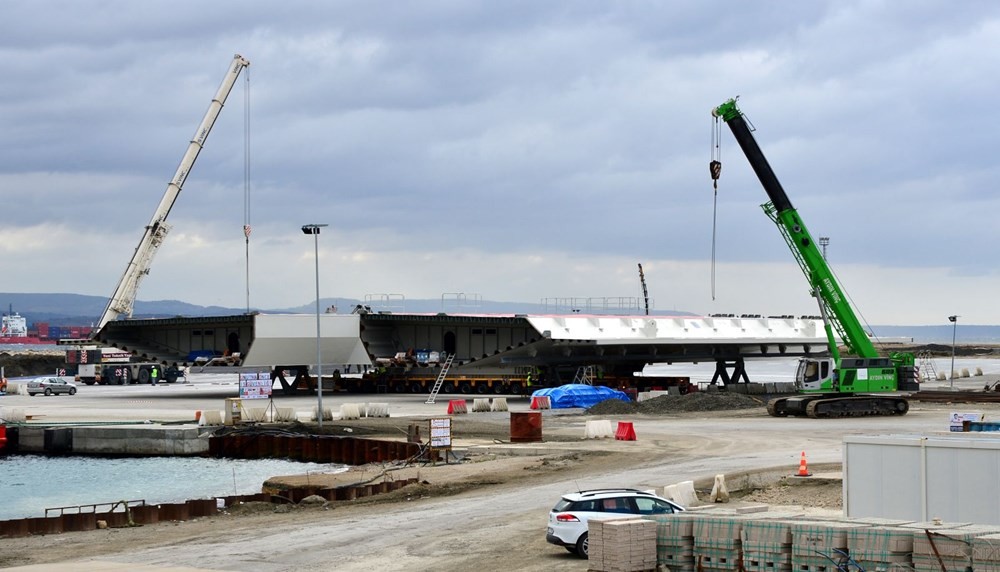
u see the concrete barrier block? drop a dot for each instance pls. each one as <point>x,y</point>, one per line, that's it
<point>598,429</point>
<point>376,410</point>
<point>499,404</point>
<point>211,417</point>
<point>480,404</point>
<point>284,414</point>
<point>256,414</point>
<point>12,415</point>
<point>681,493</point>
<point>350,411</point>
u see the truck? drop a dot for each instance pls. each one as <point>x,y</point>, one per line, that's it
<point>111,366</point>
<point>859,381</point>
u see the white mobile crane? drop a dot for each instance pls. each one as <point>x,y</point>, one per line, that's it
<point>123,299</point>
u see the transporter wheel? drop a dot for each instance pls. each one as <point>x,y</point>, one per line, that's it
<point>416,387</point>
<point>515,388</point>
<point>465,387</point>
<point>144,376</point>
<point>498,388</point>
<point>482,387</point>
<point>448,387</point>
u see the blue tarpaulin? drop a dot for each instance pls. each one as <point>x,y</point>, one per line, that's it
<point>579,395</point>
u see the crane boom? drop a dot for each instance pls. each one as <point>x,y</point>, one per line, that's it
<point>831,387</point>
<point>805,249</point>
<point>123,299</point>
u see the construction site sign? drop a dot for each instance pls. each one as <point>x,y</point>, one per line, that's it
<point>255,385</point>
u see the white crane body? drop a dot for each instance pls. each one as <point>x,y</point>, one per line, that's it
<point>123,299</point>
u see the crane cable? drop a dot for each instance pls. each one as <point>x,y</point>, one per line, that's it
<point>715,168</point>
<point>246,176</point>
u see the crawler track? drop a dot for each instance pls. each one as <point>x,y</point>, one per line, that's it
<point>824,406</point>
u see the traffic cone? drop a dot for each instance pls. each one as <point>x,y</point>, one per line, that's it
<point>803,468</point>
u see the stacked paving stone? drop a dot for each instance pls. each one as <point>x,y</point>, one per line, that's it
<point>986,553</point>
<point>674,542</point>
<point>767,546</point>
<point>717,541</point>
<point>816,545</point>
<point>951,546</point>
<point>622,545</point>
<point>881,548</point>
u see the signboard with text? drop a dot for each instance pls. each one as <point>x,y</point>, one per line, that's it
<point>255,385</point>
<point>440,433</point>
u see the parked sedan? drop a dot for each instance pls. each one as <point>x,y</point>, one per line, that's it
<point>49,386</point>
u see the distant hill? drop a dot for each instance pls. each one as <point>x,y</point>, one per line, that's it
<point>80,310</point>
<point>77,309</point>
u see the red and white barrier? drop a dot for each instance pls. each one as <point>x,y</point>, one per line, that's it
<point>625,432</point>
<point>541,402</point>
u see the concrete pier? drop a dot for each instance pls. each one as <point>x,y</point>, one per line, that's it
<point>152,440</point>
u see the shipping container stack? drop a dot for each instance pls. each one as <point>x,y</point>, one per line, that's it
<point>622,545</point>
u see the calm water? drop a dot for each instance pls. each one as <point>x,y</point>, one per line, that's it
<point>31,483</point>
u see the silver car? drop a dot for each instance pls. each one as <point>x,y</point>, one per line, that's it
<point>49,386</point>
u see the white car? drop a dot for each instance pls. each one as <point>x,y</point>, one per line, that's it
<point>568,519</point>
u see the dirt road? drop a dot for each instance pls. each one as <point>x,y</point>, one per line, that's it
<point>488,515</point>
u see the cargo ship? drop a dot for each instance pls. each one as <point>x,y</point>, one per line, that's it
<point>14,330</point>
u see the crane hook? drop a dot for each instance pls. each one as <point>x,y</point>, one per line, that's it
<point>715,168</point>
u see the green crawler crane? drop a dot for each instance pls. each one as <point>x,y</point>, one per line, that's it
<point>860,382</point>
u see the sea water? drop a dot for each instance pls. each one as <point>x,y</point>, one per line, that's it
<point>29,484</point>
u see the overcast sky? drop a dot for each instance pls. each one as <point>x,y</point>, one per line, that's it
<point>514,150</point>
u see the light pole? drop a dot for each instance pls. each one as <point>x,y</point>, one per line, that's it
<point>824,241</point>
<point>954,330</point>
<point>313,229</point>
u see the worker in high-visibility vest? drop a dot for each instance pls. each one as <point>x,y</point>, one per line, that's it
<point>154,375</point>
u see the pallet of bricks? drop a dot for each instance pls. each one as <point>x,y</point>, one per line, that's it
<point>817,546</point>
<point>767,544</point>
<point>952,547</point>
<point>621,545</point>
<point>882,548</point>
<point>674,542</point>
<point>717,541</point>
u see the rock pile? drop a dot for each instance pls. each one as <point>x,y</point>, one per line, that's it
<point>664,404</point>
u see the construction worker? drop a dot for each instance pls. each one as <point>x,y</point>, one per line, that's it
<point>154,375</point>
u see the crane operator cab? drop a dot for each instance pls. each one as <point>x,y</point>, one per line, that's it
<point>815,374</point>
